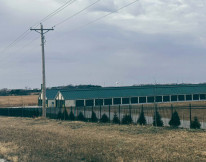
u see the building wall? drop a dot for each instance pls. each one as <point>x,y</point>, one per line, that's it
<point>128,100</point>
<point>51,103</point>
<point>140,100</point>
<point>70,103</point>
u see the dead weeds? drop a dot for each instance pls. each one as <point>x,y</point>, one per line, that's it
<point>39,139</point>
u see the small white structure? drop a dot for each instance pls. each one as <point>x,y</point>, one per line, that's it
<point>50,98</point>
<point>61,101</point>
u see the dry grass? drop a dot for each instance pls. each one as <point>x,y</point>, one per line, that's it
<point>8,150</point>
<point>23,139</point>
<point>10,101</point>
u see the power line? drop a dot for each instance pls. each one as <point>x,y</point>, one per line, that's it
<point>3,62</point>
<point>49,16</point>
<point>68,3</point>
<point>98,19</point>
<point>23,35</point>
<point>76,13</point>
<point>102,17</point>
<point>27,32</point>
<point>28,43</point>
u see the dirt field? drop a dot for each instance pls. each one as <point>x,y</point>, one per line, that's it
<point>10,101</point>
<point>23,139</point>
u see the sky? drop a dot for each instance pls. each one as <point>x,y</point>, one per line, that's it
<point>148,42</point>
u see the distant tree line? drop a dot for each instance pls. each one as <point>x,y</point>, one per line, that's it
<point>21,92</point>
<point>18,92</point>
<point>76,87</point>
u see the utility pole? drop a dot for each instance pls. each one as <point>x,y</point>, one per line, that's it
<point>42,31</point>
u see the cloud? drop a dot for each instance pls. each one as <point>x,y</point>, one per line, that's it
<point>162,17</point>
<point>147,41</point>
<point>105,6</point>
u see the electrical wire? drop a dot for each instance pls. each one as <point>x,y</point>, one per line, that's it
<point>23,35</point>
<point>27,32</point>
<point>49,16</point>
<point>110,13</point>
<point>68,3</point>
<point>2,63</point>
<point>76,13</point>
<point>99,18</point>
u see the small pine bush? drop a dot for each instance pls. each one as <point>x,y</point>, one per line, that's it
<point>71,116</point>
<point>81,117</point>
<point>127,119</point>
<point>141,120</point>
<point>157,121</point>
<point>115,119</point>
<point>94,117</point>
<point>104,119</point>
<point>59,115</point>
<point>65,115</point>
<point>195,124</point>
<point>175,120</point>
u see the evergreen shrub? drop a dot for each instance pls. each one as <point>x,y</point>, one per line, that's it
<point>175,120</point>
<point>157,120</point>
<point>115,119</point>
<point>71,116</point>
<point>104,119</point>
<point>127,119</point>
<point>59,115</point>
<point>141,120</point>
<point>65,115</point>
<point>94,117</point>
<point>81,117</point>
<point>195,124</point>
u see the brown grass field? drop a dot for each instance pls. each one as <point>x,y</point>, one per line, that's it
<point>24,139</point>
<point>10,101</point>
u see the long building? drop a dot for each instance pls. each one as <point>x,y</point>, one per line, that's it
<point>126,95</point>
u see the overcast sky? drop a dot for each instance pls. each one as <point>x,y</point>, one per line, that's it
<point>150,41</point>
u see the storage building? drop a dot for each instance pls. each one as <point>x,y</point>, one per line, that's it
<point>131,95</point>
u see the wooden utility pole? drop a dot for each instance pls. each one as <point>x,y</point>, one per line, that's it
<point>42,31</point>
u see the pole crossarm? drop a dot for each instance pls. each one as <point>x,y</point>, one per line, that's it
<point>37,30</point>
<point>42,31</point>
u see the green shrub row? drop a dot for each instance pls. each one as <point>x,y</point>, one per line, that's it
<point>127,119</point>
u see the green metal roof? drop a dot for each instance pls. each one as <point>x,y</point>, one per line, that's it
<point>132,91</point>
<point>51,94</point>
